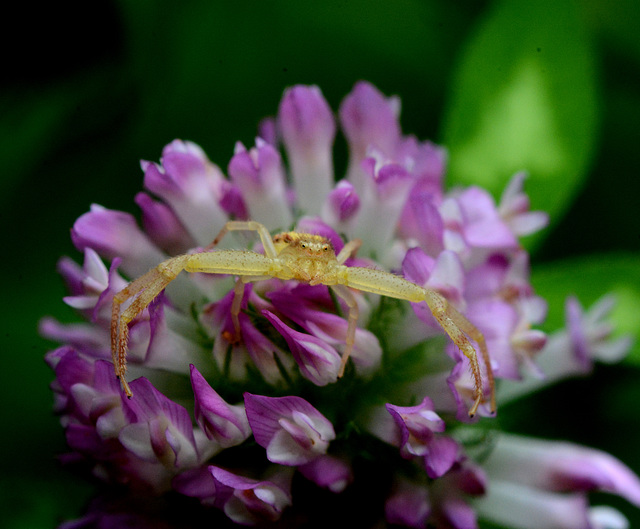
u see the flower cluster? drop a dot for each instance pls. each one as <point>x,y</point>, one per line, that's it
<point>260,429</point>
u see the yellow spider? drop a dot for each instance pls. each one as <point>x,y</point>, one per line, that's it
<point>303,257</point>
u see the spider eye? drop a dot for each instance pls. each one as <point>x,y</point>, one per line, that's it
<point>303,245</point>
<point>325,248</point>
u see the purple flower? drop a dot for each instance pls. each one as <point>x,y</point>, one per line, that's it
<point>308,309</point>
<point>292,430</point>
<point>589,336</point>
<point>115,234</point>
<point>441,455</point>
<point>514,209</point>
<point>444,274</point>
<point>408,506</point>
<point>221,422</point>
<point>163,225</point>
<point>249,501</point>
<point>342,205</point>
<point>412,429</point>
<point>439,504</point>
<point>160,430</point>
<point>328,472</point>
<point>190,185</point>
<point>308,129</point>
<point>91,286</point>
<point>244,500</point>
<point>317,360</point>
<point>255,350</point>
<point>537,483</point>
<point>260,175</point>
<point>561,467</point>
<point>144,443</point>
<point>237,408</point>
<point>482,225</point>
<point>421,220</point>
<point>369,121</point>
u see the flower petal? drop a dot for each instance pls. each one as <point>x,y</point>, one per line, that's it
<point>368,120</point>
<point>417,425</point>
<point>328,472</point>
<point>558,466</point>
<point>318,361</point>
<point>116,234</point>
<point>308,129</point>
<point>250,500</point>
<point>222,422</point>
<point>158,427</point>
<point>521,507</point>
<point>191,185</point>
<point>409,506</point>
<point>291,429</point>
<point>259,174</point>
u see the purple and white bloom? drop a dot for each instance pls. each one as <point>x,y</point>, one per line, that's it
<point>245,500</point>
<point>260,175</point>
<point>514,208</point>
<point>292,430</point>
<point>408,506</point>
<point>221,422</point>
<point>543,484</point>
<point>318,361</point>
<point>328,472</point>
<point>245,421</point>
<point>249,501</point>
<point>410,428</point>
<point>159,430</point>
<point>308,129</point>
<point>570,352</point>
<point>307,307</point>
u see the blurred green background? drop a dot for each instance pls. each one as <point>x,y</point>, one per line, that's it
<point>89,89</point>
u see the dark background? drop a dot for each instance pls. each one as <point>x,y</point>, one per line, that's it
<point>87,92</point>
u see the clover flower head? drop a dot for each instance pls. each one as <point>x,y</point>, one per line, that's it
<point>239,413</point>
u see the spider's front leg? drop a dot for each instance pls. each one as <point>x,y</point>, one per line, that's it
<point>143,290</point>
<point>457,326</point>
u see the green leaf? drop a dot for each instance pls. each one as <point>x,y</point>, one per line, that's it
<point>589,279</point>
<point>524,98</point>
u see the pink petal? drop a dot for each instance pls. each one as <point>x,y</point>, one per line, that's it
<point>291,429</point>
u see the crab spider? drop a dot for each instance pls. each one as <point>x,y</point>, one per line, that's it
<point>303,257</point>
